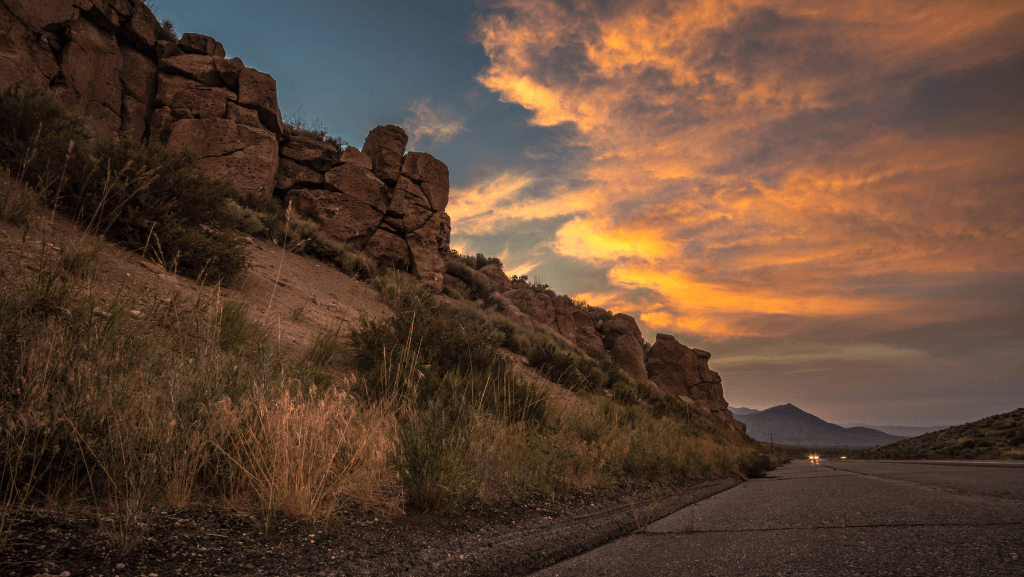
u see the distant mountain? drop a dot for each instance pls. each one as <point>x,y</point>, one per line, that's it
<point>742,411</point>
<point>996,437</point>
<point>898,430</point>
<point>791,426</point>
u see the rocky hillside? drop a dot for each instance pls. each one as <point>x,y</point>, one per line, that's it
<point>996,437</point>
<point>113,63</point>
<point>788,425</point>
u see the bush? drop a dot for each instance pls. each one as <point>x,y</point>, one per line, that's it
<point>144,196</point>
<point>478,284</point>
<point>424,352</point>
<point>573,371</point>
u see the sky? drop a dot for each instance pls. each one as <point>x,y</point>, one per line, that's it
<point>827,196</point>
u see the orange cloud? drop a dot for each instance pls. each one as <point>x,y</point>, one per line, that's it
<point>752,160</point>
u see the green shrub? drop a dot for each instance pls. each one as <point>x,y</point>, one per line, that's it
<point>431,456</point>
<point>573,371</point>
<point>424,352</point>
<point>144,196</point>
<point>478,283</point>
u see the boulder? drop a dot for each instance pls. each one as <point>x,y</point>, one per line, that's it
<point>409,209</point>
<point>138,91</point>
<point>430,247</point>
<point>198,67</point>
<point>258,90</point>
<point>107,14</point>
<point>91,67</point>
<point>385,145</point>
<point>24,56</point>
<point>241,115</point>
<point>499,282</point>
<point>201,102</point>
<point>706,374</point>
<point>680,370</point>
<point>564,324</point>
<point>160,124</point>
<point>624,342</point>
<point>167,49</point>
<point>535,304</point>
<point>192,43</point>
<point>673,366</point>
<point>133,117</point>
<point>317,154</point>
<point>291,174</point>
<point>42,14</point>
<point>243,155</point>
<point>390,248</point>
<point>141,32</point>
<point>585,331</point>
<point>339,215</point>
<point>138,76</point>
<point>359,184</point>
<point>432,176</point>
<point>229,71</point>
<point>352,154</point>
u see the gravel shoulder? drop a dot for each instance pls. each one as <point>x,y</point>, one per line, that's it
<point>500,540</point>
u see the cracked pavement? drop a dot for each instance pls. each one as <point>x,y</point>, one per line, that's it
<point>836,518</point>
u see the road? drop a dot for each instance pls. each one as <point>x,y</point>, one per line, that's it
<point>836,518</point>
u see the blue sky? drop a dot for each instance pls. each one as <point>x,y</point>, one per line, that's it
<point>826,197</point>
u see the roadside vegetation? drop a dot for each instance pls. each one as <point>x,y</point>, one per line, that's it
<point>996,437</point>
<point>191,401</point>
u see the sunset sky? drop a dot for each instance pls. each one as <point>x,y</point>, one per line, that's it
<point>828,197</point>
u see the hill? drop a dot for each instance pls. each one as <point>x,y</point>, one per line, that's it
<point>996,437</point>
<point>743,411</point>
<point>789,425</point>
<point>898,430</point>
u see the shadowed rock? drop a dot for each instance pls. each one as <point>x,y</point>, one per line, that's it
<point>244,155</point>
<point>385,145</point>
<point>624,341</point>
<point>192,43</point>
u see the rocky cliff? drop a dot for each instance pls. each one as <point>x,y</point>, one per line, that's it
<point>113,63</point>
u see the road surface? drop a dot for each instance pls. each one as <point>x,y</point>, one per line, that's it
<point>836,518</point>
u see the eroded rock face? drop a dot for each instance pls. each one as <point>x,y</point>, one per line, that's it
<point>385,145</point>
<point>197,67</point>
<point>193,43</point>
<point>113,66</point>
<point>624,342</point>
<point>430,246</point>
<point>500,283</point>
<point>27,57</point>
<point>339,215</point>
<point>680,370</point>
<point>585,331</point>
<point>536,305</point>
<point>258,90</point>
<point>432,176</point>
<point>244,155</point>
<point>359,184</point>
<point>315,154</point>
<point>91,66</point>
<point>291,174</point>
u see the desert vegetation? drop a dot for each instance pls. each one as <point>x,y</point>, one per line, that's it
<point>996,437</point>
<point>127,412</point>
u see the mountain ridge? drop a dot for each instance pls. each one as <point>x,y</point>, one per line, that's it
<point>789,425</point>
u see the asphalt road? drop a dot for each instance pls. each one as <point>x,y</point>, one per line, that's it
<point>836,518</point>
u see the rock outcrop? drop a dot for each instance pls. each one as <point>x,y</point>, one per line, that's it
<point>680,370</point>
<point>624,342</point>
<point>111,62</point>
<point>388,205</point>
